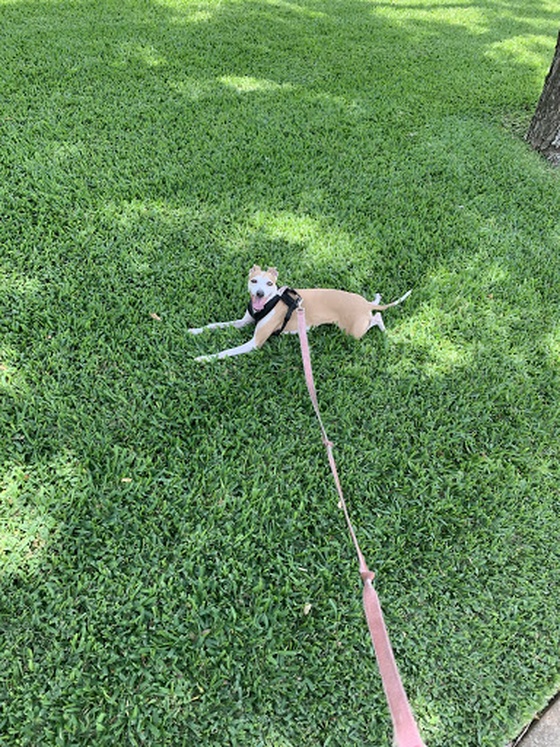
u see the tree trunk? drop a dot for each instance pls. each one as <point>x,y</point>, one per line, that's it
<point>544,130</point>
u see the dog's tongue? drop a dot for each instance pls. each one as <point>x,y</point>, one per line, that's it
<point>258,303</point>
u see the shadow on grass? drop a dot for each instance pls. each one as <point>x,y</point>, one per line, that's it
<point>166,529</point>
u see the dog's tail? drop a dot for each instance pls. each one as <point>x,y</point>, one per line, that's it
<point>381,307</point>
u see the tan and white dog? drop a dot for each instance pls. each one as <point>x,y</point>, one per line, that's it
<point>271,310</point>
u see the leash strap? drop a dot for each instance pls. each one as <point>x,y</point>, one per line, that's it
<point>405,729</point>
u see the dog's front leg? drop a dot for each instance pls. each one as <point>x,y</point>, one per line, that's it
<point>238,323</point>
<point>247,347</point>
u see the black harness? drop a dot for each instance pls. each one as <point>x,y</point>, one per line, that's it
<point>288,296</point>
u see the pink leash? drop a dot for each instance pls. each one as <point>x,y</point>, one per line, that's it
<point>405,729</point>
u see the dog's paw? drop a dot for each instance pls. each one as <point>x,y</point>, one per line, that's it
<point>205,358</point>
<point>195,330</point>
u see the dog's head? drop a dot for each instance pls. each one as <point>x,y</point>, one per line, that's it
<point>262,285</point>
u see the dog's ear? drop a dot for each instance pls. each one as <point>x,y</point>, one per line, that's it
<point>255,269</point>
<point>273,272</point>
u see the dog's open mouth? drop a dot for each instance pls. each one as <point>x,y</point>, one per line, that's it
<point>258,302</point>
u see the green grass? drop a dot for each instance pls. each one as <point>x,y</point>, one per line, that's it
<point>164,525</point>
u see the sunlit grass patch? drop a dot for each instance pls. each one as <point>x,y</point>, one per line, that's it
<point>24,527</point>
<point>464,15</point>
<point>439,353</point>
<point>12,380</point>
<point>32,500</point>
<point>525,48</point>
<point>552,344</point>
<point>247,84</point>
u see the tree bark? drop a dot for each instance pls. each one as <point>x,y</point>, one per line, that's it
<point>544,130</point>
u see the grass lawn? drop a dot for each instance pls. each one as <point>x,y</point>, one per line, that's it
<point>174,569</point>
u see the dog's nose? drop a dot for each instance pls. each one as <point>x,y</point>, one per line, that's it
<point>260,293</point>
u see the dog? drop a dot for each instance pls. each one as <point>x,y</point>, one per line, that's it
<point>271,311</point>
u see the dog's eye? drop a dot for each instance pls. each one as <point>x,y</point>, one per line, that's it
<point>269,282</point>
<point>253,280</point>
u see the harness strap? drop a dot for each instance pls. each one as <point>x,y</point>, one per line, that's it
<point>289,296</point>
<point>405,729</point>
<point>292,299</point>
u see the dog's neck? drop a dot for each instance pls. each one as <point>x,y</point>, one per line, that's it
<point>261,305</point>
<point>290,298</point>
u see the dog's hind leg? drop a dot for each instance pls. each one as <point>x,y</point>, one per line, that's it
<point>377,321</point>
